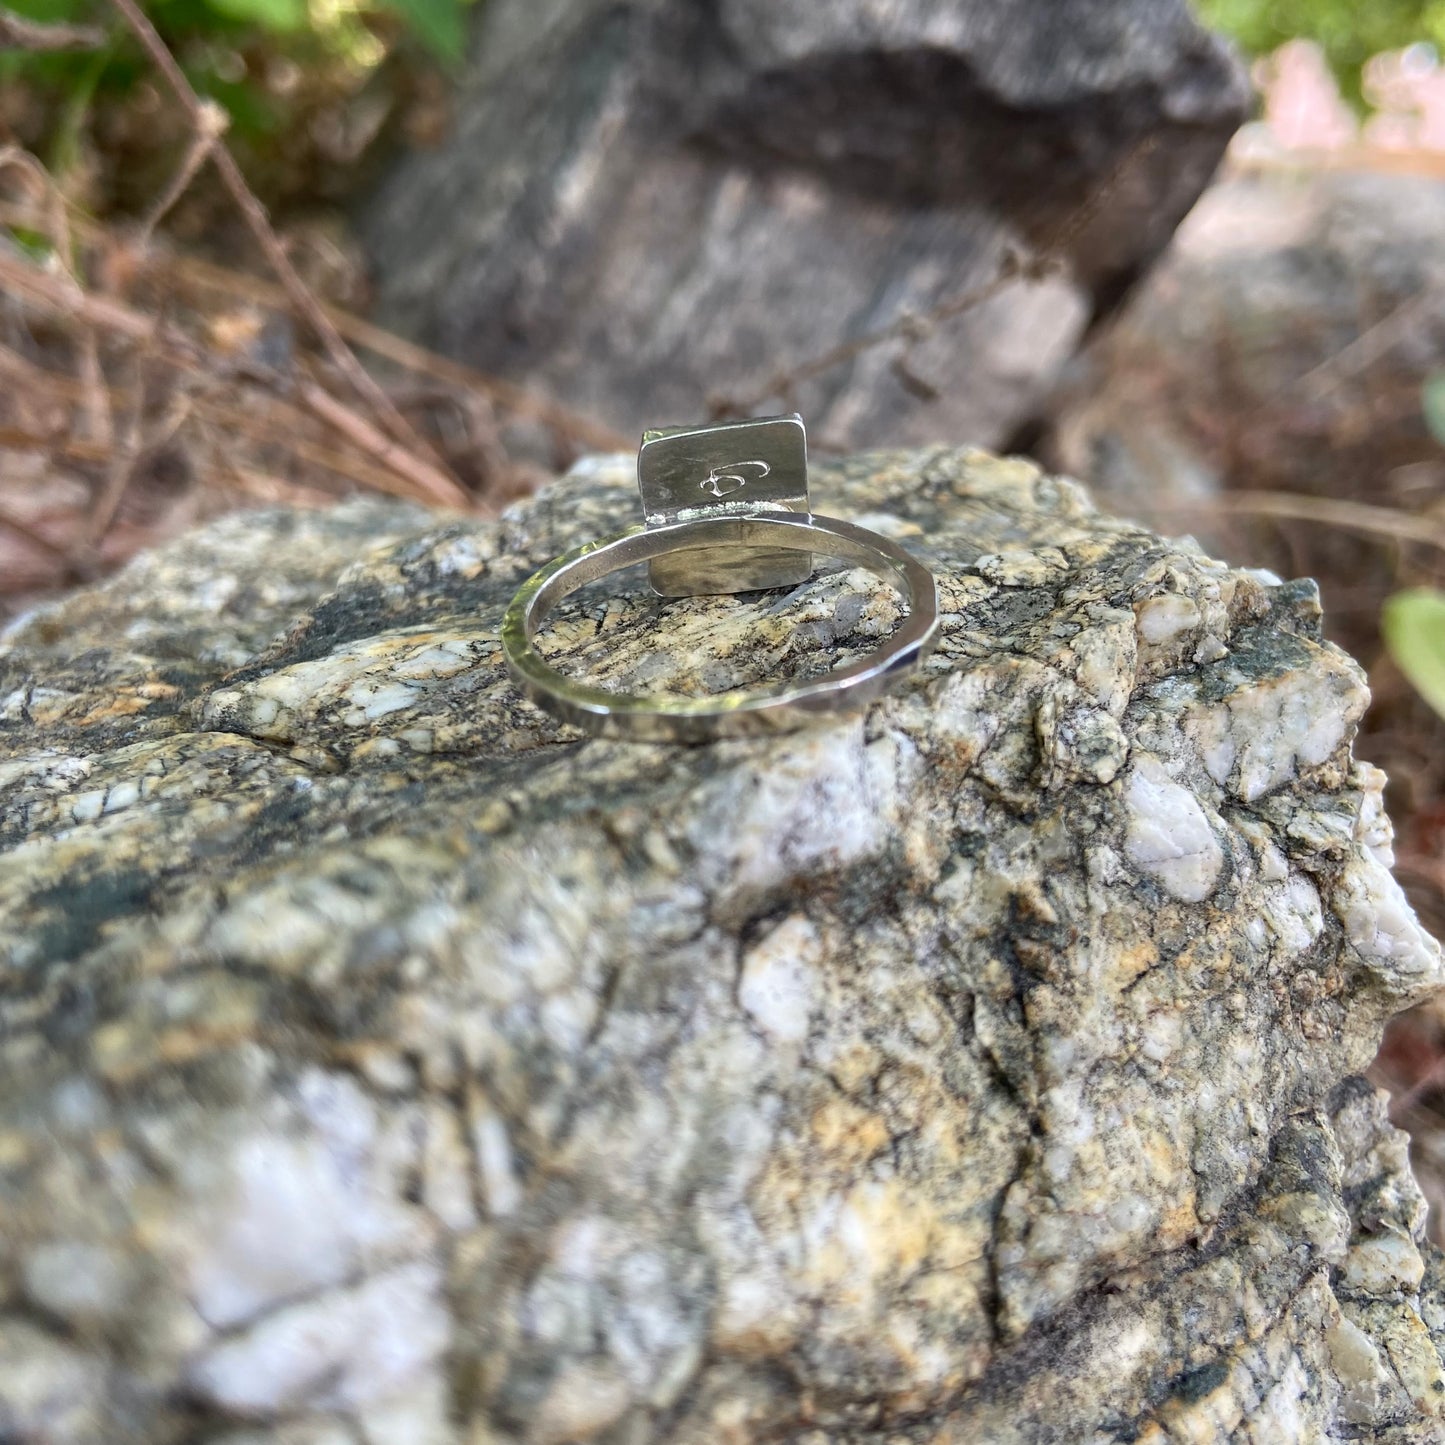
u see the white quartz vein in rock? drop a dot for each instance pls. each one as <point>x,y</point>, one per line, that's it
<point>1168,835</point>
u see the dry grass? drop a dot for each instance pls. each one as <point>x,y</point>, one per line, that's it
<point>144,391</point>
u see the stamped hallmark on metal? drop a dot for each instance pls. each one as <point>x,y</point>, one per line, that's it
<point>724,468</point>
<point>723,481</point>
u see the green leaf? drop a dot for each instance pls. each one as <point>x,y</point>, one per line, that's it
<point>37,246</point>
<point>1432,402</point>
<point>282,17</point>
<point>51,11</point>
<point>1413,624</point>
<point>1348,32</point>
<point>440,25</point>
<point>252,111</point>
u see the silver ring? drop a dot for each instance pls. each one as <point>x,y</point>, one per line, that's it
<point>726,546</point>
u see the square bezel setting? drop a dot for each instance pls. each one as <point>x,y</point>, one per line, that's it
<point>728,468</point>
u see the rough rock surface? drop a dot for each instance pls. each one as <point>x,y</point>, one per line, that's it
<point>645,205</point>
<point>1283,345</point>
<point>382,1062</point>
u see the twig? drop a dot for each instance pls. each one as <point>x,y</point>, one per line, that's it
<point>350,469</point>
<point>416,479</point>
<point>135,449</point>
<point>17,439</point>
<point>288,433</point>
<point>272,490</point>
<point>435,486</point>
<point>906,326</point>
<point>27,533</point>
<point>1367,348</point>
<point>516,399</point>
<point>60,294</point>
<point>1078,219</point>
<point>1407,1100</point>
<point>125,453</point>
<point>211,125</point>
<point>1330,512</point>
<point>1029,266</point>
<point>259,224</point>
<point>1366,157</point>
<point>18,33</point>
<point>54,216</point>
<point>519,400</point>
<point>47,383</point>
<point>95,400</point>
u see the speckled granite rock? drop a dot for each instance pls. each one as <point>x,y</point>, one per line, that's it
<point>382,1062</point>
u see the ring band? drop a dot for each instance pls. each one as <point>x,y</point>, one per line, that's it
<point>743,712</point>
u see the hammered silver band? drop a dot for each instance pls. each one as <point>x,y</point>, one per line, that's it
<point>670,717</point>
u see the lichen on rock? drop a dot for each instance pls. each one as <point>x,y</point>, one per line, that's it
<point>382,1060</point>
